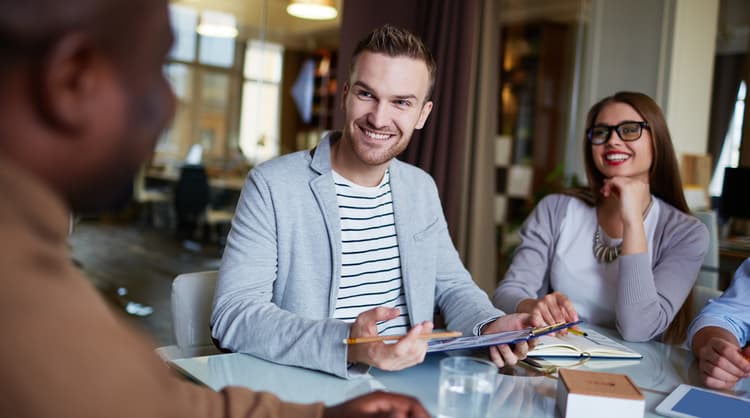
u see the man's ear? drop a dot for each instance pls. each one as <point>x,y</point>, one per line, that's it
<point>344,94</point>
<point>426,109</point>
<point>67,81</point>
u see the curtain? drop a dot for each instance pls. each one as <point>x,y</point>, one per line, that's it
<point>728,73</point>
<point>447,27</point>
<point>455,146</point>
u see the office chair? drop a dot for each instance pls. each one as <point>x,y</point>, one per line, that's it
<point>191,194</point>
<point>192,203</point>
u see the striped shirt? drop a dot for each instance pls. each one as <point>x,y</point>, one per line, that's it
<point>370,260</point>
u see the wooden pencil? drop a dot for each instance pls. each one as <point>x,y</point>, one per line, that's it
<point>431,336</point>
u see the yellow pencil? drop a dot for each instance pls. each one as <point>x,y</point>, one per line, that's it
<point>578,332</point>
<point>431,336</point>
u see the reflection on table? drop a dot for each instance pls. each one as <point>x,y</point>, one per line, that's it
<point>518,392</point>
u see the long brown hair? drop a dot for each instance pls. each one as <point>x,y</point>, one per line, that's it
<point>664,178</point>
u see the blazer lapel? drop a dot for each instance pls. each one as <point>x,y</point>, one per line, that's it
<point>402,210</point>
<point>325,194</point>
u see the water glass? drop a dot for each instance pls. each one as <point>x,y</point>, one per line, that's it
<point>466,386</point>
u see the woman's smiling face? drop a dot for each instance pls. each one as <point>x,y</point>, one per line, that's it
<point>618,158</point>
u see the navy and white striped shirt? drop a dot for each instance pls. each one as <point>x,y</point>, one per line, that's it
<point>370,260</point>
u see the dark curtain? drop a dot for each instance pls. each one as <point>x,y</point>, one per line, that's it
<point>728,73</point>
<point>448,29</point>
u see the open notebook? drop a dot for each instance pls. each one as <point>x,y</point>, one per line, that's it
<point>592,345</point>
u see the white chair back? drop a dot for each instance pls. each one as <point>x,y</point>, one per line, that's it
<point>709,273</point>
<point>192,296</point>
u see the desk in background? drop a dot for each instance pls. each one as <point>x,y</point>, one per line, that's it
<point>232,183</point>
<point>519,393</point>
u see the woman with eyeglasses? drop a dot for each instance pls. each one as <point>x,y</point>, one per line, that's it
<point>623,253</point>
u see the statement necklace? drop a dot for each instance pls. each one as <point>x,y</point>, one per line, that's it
<point>608,254</point>
<point>604,253</point>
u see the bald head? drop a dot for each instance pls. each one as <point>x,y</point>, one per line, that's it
<point>83,97</point>
<point>29,28</point>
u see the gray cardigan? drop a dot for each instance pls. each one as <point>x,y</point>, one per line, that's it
<point>649,294</point>
<point>280,272</point>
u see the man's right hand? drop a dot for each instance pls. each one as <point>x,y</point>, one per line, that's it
<point>722,363</point>
<point>378,404</point>
<point>553,308</point>
<point>407,352</point>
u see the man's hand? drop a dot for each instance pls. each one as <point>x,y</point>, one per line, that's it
<point>502,355</point>
<point>378,404</point>
<point>722,364</point>
<point>407,352</point>
<point>553,308</point>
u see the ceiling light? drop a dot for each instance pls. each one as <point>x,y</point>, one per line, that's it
<point>217,24</point>
<point>312,9</point>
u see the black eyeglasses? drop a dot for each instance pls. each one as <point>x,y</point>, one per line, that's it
<point>627,131</point>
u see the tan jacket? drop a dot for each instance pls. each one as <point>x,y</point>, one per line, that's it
<point>63,353</point>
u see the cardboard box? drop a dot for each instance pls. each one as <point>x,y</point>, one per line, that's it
<point>696,170</point>
<point>584,394</point>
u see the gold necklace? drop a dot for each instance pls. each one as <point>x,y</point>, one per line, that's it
<point>606,253</point>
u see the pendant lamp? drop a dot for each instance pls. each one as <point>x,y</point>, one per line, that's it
<point>312,9</point>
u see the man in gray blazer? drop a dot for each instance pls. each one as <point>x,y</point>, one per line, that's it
<point>347,241</point>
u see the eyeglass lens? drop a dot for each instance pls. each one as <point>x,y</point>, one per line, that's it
<point>628,131</point>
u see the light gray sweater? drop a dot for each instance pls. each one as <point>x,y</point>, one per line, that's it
<point>648,294</point>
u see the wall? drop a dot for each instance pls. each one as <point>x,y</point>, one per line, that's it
<point>624,45</point>
<point>663,48</point>
<point>691,74</point>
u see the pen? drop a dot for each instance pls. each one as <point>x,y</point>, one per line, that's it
<point>431,336</point>
<point>532,363</point>
<point>578,332</point>
<point>548,328</point>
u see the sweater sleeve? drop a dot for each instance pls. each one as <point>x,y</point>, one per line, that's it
<point>528,275</point>
<point>658,292</point>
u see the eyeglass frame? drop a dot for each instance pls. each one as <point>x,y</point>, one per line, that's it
<point>616,128</point>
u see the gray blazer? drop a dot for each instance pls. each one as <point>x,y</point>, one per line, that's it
<point>280,272</point>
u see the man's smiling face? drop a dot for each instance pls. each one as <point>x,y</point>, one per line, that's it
<point>384,101</point>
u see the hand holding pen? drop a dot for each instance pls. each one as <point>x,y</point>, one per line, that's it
<point>408,351</point>
<point>553,308</point>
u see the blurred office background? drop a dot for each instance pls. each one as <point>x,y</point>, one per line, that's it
<point>515,80</point>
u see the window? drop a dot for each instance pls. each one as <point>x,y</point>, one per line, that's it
<point>227,92</point>
<point>730,151</point>
<point>260,114</point>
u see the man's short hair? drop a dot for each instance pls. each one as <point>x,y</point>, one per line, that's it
<point>396,42</point>
<point>29,29</point>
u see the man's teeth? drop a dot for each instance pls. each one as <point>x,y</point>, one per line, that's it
<point>616,157</point>
<point>376,136</point>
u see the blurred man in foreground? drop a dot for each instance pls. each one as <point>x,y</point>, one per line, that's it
<point>83,101</point>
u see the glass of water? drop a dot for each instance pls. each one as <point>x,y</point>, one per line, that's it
<point>466,386</point>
